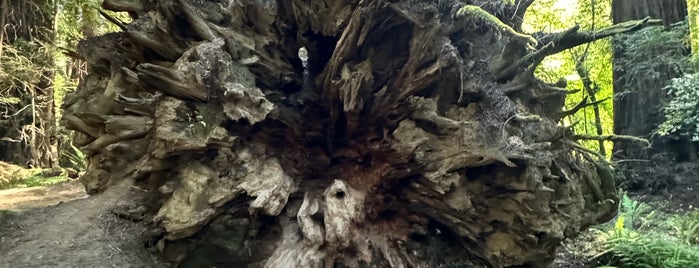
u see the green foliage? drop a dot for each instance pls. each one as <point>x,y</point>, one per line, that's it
<point>9,100</point>
<point>75,158</point>
<point>693,19</point>
<point>657,55</point>
<point>682,111</point>
<point>631,244</point>
<point>38,180</point>
<point>20,68</point>
<point>558,15</point>
<point>77,19</point>
<point>687,227</point>
<point>10,173</point>
<point>12,176</point>
<point>630,249</point>
<point>633,211</point>
<point>653,54</point>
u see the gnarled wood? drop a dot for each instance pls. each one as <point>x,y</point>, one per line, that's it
<point>391,143</point>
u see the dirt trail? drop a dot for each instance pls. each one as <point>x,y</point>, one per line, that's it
<point>36,197</point>
<point>78,233</point>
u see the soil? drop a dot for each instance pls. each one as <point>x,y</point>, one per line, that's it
<point>78,233</point>
<point>37,197</point>
<point>682,197</point>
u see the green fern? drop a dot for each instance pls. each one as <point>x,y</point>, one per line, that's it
<point>687,227</point>
<point>634,211</point>
<point>76,157</point>
<point>629,249</point>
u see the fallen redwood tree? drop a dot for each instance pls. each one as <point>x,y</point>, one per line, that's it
<point>412,133</point>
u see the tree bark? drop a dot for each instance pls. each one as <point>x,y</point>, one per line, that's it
<point>639,112</point>
<point>412,133</point>
<point>670,11</point>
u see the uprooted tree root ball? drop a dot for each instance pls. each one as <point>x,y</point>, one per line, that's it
<point>412,133</point>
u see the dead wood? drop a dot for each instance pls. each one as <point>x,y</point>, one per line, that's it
<point>391,143</point>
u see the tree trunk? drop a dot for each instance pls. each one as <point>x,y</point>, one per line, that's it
<point>670,11</point>
<point>348,133</point>
<point>638,112</point>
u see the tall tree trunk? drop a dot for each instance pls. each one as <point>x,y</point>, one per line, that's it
<point>670,11</point>
<point>412,133</point>
<point>638,108</point>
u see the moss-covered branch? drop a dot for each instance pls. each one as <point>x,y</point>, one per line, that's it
<point>588,153</point>
<point>612,138</point>
<point>554,43</point>
<point>487,18</point>
<point>573,37</point>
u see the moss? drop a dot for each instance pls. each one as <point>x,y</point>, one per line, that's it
<point>479,13</point>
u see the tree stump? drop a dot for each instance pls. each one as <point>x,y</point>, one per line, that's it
<point>340,133</point>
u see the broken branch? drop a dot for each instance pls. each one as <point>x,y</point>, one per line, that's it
<point>582,105</point>
<point>573,37</point>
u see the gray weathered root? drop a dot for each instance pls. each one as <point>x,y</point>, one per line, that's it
<point>394,143</point>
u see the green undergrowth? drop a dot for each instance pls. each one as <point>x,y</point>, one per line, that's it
<point>38,180</point>
<point>642,236</point>
<point>13,176</point>
<point>633,248</point>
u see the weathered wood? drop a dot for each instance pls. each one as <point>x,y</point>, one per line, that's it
<point>391,143</point>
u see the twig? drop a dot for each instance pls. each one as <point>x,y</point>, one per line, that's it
<point>581,105</point>
<point>631,160</point>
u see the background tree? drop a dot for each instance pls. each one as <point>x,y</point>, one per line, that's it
<point>39,66</point>
<point>693,18</point>
<point>27,119</point>
<point>644,64</point>
<point>75,20</point>
<point>585,70</point>
<point>638,104</point>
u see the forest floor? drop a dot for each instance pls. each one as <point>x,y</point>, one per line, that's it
<point>42,196</point>
<point>656,213</point>
<point>59,226</point>
<point>34,232</point>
